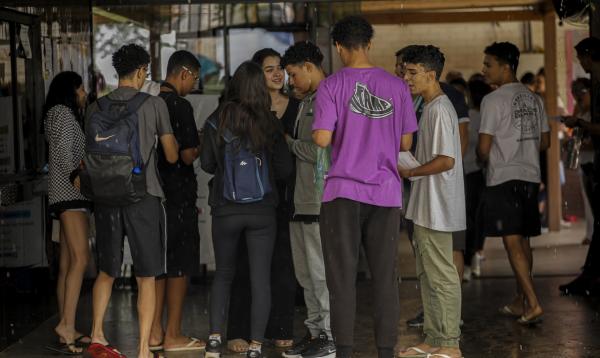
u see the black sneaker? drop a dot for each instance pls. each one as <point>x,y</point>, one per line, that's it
<point>320,347</point>
<point>253,353</point>
<point>213,347</point>
<point>298,348</point>
<point>417,321</point>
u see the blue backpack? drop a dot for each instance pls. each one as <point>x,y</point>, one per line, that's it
<point>245,174</point>
<point>114,171</point>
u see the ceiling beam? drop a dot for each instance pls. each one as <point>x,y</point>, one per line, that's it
<point>420,5</point>
<point>413,17</point>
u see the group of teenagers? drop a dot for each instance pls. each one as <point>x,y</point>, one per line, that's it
<point>309,225</point>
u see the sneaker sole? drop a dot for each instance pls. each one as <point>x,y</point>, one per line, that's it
<point>415,325</point>
<point>212,355</point>
<point>291,355</point>
<point>330,355</point>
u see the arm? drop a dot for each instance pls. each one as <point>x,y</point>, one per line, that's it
<point>484,146</point>
<point>170,147</point>
<point>305,151</point>
<point>591,128</point>
<point>187,134</point>
<point>437,165</point>
<point>406,142</point>
<point>189,155</point>
<point>322,137</point>
<point>463,130</point>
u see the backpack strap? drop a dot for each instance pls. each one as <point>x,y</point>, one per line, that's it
<point>136,101</point>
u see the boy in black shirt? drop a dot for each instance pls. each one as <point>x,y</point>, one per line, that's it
<point>180,187</point>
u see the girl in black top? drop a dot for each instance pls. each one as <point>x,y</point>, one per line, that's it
<point>280,327</point>
<point>246,113</point>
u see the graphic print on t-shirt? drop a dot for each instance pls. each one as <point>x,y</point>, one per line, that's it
<point>365,103</point>
<point>525,115</point>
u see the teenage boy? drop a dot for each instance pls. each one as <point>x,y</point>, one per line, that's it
<point>366,115</point>
<point>462,110</point>
<point>302,61</point>
<point>514,129</point>
<point>436,205</point>
<point>142,222</point>
<point>180,187</point>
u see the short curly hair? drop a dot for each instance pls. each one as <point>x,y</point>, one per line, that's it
<point>352,32</point>
<point>428,56</point>
<point>300,52</point>
<point>129,58</point>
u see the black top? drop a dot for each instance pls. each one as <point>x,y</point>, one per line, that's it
<point>179,180</point>
<point>285,187</point>
<point>280,166</point>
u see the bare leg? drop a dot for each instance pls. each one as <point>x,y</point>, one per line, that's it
<point>521,266</point>
<point>101,297</point>
<point>145,305</point>
<point>177,288</point>
<point>74,225</point>
<point>157,333</point>
<point>63,267</point>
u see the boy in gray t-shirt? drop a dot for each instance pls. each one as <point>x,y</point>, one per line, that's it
<point>436,204</point>
<point>514,129</point>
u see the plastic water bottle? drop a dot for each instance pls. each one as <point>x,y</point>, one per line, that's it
<point>573,148</point>
<point>137,170</point>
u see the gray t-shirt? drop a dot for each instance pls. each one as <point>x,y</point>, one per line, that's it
<point>437,201</point>
<point>516,118</point>
<point>153,122</point>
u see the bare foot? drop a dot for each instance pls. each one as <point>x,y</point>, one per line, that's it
<point>156,338</point>
<point>422,348</point>
<point>448,351</point>
<point>533,313</point>
<point>517,305</point>
<point>237,345</point>
<point>284,343</point>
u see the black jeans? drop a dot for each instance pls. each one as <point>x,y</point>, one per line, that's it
<point>474,189</point>
<point>283,290</point>
<point>259,232</point>
<point>344,225</point>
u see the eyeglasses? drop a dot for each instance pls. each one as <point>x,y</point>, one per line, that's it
<point>196,77</point>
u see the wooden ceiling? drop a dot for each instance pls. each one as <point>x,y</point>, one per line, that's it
<point>427,5</point>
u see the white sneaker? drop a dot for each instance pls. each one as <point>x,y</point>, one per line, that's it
<point>476,265</point>
<point>467,274</point>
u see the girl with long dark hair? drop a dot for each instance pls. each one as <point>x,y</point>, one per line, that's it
<point>62,123</point>
<point>280,328</point>
<point>246,114</point>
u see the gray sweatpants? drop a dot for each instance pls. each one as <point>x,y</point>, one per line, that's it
<point>307,254</point>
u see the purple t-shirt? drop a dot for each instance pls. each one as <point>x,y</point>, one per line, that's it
<point>368,111</point>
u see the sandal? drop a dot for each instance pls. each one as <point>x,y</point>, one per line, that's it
<point>420,353</point>
<point>156,348</point>
<point>83,340</point>
<point>194,344</point>
<point>104,351</point>
<point>531,321</point>
<point>507,311</point>
<point>67,349</point>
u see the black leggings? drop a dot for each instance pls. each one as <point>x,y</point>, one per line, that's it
<point>259,231</point>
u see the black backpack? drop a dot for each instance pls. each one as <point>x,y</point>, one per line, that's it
<point>114,172</point>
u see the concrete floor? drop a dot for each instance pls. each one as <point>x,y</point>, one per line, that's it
<point>571,328</point>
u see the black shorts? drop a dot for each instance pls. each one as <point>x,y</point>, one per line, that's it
<point>58,208</point>
<point>511,208</point>
<point>183,240</point>
<point>144,225</point>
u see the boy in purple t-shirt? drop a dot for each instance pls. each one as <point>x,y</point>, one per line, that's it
<point>367,116</point>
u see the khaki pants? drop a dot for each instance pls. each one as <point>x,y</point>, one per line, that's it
<point>440,287</point>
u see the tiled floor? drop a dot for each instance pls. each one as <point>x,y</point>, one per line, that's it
<point>571,328</point>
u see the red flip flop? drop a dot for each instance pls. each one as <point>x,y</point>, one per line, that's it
<point>97,350</point>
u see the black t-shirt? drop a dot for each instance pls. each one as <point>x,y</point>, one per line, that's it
<point>179,180</point>
<point>285,187</point>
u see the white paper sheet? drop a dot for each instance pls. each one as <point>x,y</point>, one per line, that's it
<point>407,161</point>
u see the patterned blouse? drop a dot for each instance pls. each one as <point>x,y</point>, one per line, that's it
<point>66,149</point>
